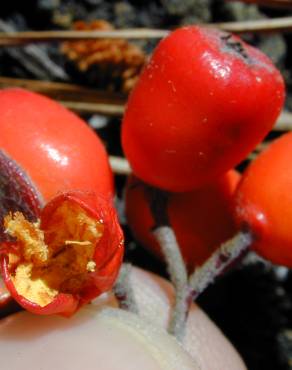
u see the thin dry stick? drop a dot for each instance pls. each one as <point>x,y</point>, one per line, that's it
<point>262,25</point>
<point>65,91</point>
<point>131,33</point>
<point>283,24</point>
<point>114,110</point>
<point>123,290</point>
<point>49,36</point>
<point>204,275</point>
<point>75,97</point>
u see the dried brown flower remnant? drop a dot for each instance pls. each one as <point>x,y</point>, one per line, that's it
<point>111,63</point>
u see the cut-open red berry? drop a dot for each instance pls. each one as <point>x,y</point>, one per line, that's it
<point>61,244</point>
<point>68,257</point>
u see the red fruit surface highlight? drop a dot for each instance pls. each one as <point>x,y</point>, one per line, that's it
<point>263,202</point>
<point>201,219</point>
<point>202,103</point>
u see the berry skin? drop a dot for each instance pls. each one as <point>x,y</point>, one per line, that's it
<point>52,145</point>
<point>263,202</point>
<point>201,219</point>
<point>202,103</point>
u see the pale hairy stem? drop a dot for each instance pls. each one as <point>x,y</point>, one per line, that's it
<point>165,236</point>
<point>178,275</point>
<point>123,290</point>
<point>188,289</point>
<point>229,251</point>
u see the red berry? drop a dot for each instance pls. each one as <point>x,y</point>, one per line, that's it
<point>201,219</point>
<point>55,148</point>
<point>263,201</point>
<point>56,204</point>
<point>205,99</point>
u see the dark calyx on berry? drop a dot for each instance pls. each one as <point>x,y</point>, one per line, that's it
<point>232,44</point>
<point>17,193</point>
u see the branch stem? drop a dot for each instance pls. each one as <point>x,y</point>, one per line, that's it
<point>178,275</point>
<point>188,288</point>
<point>229,251</point>
<point>123,290</point>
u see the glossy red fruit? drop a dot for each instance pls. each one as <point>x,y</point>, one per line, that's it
<point>53,146</point>
<point>46,150</point>
<point>263,201</point>
<point>201,219</point>
<point>70,258</point>
<point>61,244</point>
<point>204,100</point>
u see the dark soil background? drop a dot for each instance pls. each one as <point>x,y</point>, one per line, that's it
<point>251,304</point>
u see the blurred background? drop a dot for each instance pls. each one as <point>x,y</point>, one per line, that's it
<point>252,303</point>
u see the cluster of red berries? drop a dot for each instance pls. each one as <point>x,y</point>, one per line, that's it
<point>204,101</point>
<point>201,105</point>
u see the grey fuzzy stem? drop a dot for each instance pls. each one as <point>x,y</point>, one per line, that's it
<point>123,290</point>
<point>178,275</point>
<point>177,324</point>
<point>204,275</point>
